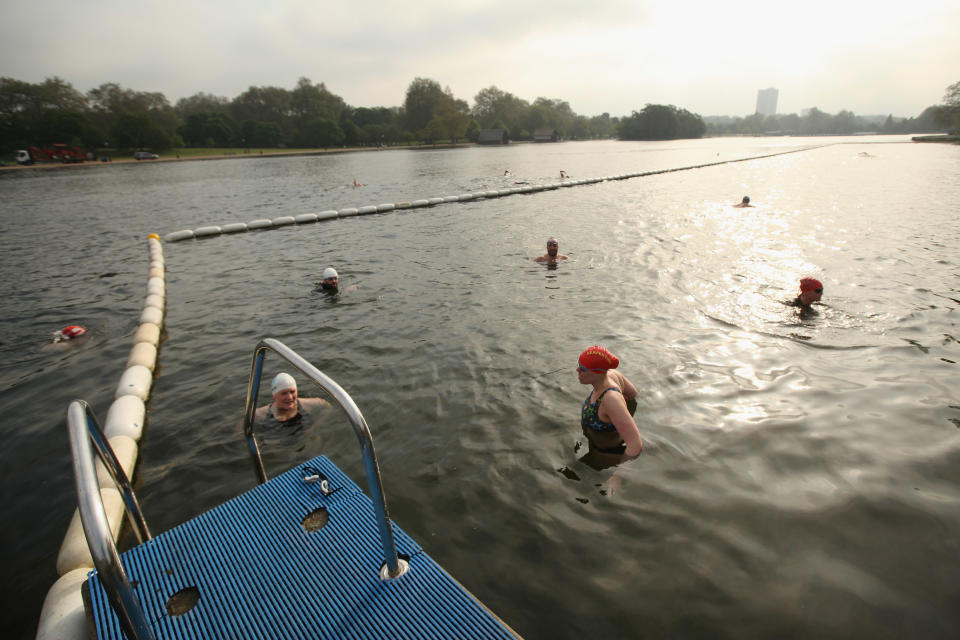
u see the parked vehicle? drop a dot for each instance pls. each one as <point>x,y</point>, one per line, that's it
<point>145,155</point>
<point>54,153</point>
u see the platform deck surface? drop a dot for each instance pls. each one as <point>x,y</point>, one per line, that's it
<point>260,574</point>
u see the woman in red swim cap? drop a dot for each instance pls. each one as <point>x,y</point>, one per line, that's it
<point>811,290</point>
<point>604,417</point>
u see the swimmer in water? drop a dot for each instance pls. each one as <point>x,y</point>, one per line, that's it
<point>286,406</point>
<point>605,417</point>
<point>811,290</point>
<point>563,175</point>
<point>743,203</point>
<point>69,332</point>
<point>356,184</point>
<point>552,254</point>
<point>331,283</point>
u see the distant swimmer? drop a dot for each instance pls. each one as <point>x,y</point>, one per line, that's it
<point>552,254</point>
<point>507,173</point>
<point>356,184</point>
<point>811,290</point>
<point>563,175</point>
<point>331,283</point>
<point>287,407</point>
<point>743,203</point>
<point>605,417</point>
<point>69,332</point>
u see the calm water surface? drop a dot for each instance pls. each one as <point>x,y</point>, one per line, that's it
<point>800,474</point>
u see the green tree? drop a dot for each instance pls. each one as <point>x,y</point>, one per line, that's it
<point>321,132</point>
<point>351,133</point>
<point>201,103</point>
<point>947,115</point>
<point>138,131</point>
<point>423,96</point>
<point>473,130</point>
<point>112,107</point>
<point>310,101</point>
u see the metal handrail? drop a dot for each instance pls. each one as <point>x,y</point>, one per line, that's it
<point>362,431</point>
<point>84,428</point>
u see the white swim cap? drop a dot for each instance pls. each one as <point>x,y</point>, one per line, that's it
<point>330,272</point>
<point>282,382</point>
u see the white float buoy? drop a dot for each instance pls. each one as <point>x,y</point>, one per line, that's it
<point>305,218</point>
<point>419,203</point>
<point>262,223</point>
<point>327,215</point>
<point>125,418</point>
<point>212,230</point>
<point>135,381</point>
<point>234,227</point>
<point>125,449</point>
<point>389,206</point>
<point>177,236</point>
<point>62,616</point>
<point>147,332</point>
<point>156,286</point>
<point>152,314</point>
<point>346,213</point>
<point>433,201</point>
<point>74,553</point>
<point>283,221</point>
<point>366,210</point>
<point>143,354</point>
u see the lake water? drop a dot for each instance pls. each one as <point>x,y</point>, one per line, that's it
<point>800,475</point>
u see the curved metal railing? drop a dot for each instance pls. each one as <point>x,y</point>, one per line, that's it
<point>84,428</point>
<point>391,561</point>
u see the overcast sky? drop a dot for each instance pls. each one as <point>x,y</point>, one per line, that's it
<point>603,56</point>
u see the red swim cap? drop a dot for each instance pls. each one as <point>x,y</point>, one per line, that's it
<point>597,357</point>
<point>73,331</point>
<point>809,284</point>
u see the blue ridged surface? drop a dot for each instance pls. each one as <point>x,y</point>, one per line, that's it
<point>261,575</point>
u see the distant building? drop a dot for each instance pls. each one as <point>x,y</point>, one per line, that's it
<point>493,136</point>
<point>767,101</point>
<point>545,135</point>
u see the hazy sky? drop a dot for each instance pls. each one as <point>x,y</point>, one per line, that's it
<point>608,55</point>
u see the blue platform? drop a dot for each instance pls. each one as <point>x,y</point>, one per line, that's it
<point>260,574</point>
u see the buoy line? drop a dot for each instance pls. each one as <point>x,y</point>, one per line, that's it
<point>308,218</point>
<point>62,616</point>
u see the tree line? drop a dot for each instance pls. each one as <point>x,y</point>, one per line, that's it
<point>311,116</point>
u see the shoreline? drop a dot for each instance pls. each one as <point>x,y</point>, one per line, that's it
<point>238,155</point>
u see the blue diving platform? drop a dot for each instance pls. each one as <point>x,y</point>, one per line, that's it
<point>295,557</point>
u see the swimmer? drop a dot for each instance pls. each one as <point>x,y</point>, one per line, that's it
<point>331,282</point>
<point>605,417</point>
<point>356,184</point>
<point>69,332</point>
<point>551,255</point>
<point>811,290</point>
<point>286,406</point>
<point>743,203</point>
<point>563,175</point>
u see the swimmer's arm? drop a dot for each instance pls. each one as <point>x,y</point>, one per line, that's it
<point>629,390</point>
<point>617,414</point>
<point>261,413</point>
<point>314,403</point>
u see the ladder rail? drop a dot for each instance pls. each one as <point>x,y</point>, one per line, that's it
<point>84,429</point>
<point>393,566</point>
